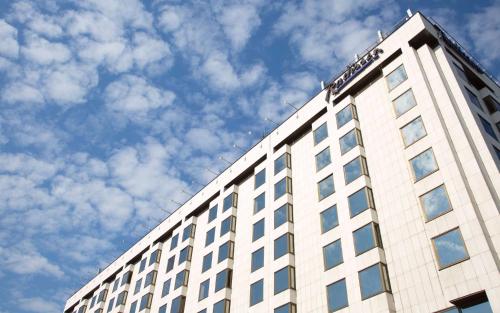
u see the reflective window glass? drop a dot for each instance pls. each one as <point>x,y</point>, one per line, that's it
<point>260,178</point>
<point>435,203</point>
<point>258,230</point>
<point>332,254</point>
<point>346,115</point>
<point>423,164</point>
<point>404,103</point>
<point>257,259</point>
<point>323,159</point>
<point>350,140</point>
<point>320,133</point>
<point>396,77</point>
<point>326,187</point>
<point>360,200</point>
<point>413,131</point>
<point>259,202</point>
<point>257,292</point>
<point>355,169</point>
<point>329,219</point>
<point>337,296</point>
<point>450,248</point>
<point>283,245</point>
<point>282,215</point>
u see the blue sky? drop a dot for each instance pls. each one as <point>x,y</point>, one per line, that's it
<point>110,109</point>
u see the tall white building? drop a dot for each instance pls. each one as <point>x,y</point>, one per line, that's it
<point>380,194</point>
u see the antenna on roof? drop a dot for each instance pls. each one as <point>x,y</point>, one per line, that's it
<point>213,172</point>
<point>380,35</point>
<point>288,103</point>
<point>270,120</point>
<point>238,147</point>
<point>408,12</point>
<point>178,203</point>
<point>184,191</point>
<point>322,85</point>
<point>225,160</point>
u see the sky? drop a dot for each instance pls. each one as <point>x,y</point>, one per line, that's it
<point>111,110</point>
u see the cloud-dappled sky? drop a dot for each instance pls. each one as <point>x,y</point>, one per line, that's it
<point>110,109</point>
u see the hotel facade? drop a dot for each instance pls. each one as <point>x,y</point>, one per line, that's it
<point>380,194</point>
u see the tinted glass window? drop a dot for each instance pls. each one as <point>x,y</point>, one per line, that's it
<point>258,230</point>
<point>174,241</point>
<point>221,307</point>
<point>320,133</point>
<point>178,305</point>
<point>488,128</point>
<point>396,77</point>
<point>137,286</point>
<point>280,188</point>
<point>370,281</point>
<point>413,131</point>
<point>283,245</point>
<point>283,279</point>
<point>450,248</point>
<point>229,201</point>
<point>142,266</point>
<point>473,98</point>
<point>225,251</point>
<point>257,259</point>
<point>188,232</point>
<point>281,163</point>
<point>423,164</point>
<point>435,202</point>
<point>207,262</point>
<point>332,254</point>
<point>404,103</point>
<point>282,215</point>
<point>204,287</point>
<point>287,308</point>
<point>260,178</point>
<point>259,202</point>
<point>166,288</point>
<point>358,201</point>
<point>354,169</point>
<point>181,279</point>
<point>256,292</point>
<point>365,238</point>
<point>345,115</point>
<point>185,255</point>
<point>212,213</point>
<point>337,296</point>
<point>323,159</point>
<point>223,279</point>
<point>226,225</point>
<point>170,263</point>
<point>210,237</point>
<point>349,141</point>
<point>329,219</point>
<point>326,187</point>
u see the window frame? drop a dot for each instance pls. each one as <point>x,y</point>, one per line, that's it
<point>290,249</point>
<point>434,248</point>
<point>315,140</point>
<point>422,206</point>
<point>329,157</point>
<point>406,145</point>
<point>363,166</point>
<point>357,135</point>
<point>384,280</point>
<point>392,72</point>
<point>354,114</point>
<point>415,179</point>
<point>289,214</point>
<point>290,277</point>
<point>369,201</point>
<point>375,233</point>
<point>325,265</point>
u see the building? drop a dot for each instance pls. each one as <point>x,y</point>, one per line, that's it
<point>380,194</point>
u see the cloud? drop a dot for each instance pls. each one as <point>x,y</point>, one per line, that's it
<point>21,92</point>
<point>44,52</point>
<point>8,38</point>
<point>487,24</point>
<point>238,22</point>
<point>38,304</point>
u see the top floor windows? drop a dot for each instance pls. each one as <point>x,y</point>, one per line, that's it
<point>284,161</point>
<point>188,232</point>
<point>346,115</point>
<point>174,241</point>
<point>404,103</point>
<point>474,99</point>
<point>260,178</point>
<point>230,201</point>
<point>396,77</point>
<point>155,257</point>
<point>320,133</point>
<point>212,213</point>
<point>350,140</point>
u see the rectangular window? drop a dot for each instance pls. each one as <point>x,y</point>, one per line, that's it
<point>228,225</point>
<point>142,266</point>
<point>283,214</point>
<point>345,115</point>
<point>210,237</point>
<point>137,287</point>
<point>329,219</point>
<point>174,241</point>
<point>166,288</point>
<point>110,304</point>
<point>488,128</point>
<point>102,295</point>
<point>122,298</point>
<point>259,203</point>
<point>326,187</point>
<point>188,232</point>
<point>404,103</point>
<point>257,292</point>
<point>286,308</point>
<point>367,238</point>
<point>350,140</point>
<point>223,279</point>
<point>258,230</point>
<point>230,201</point>
<point>178,305</point>
<point>260,178</point>
<point>320,133</point>
<point>170,263</point>
<point>284,161</point>
<point>354,169</point>
<point>204,288</point>
<point>282,187</point>
<point>450,248</point>
<point>413,131</point>
<point>284,279</point>
<point>337,296</point>
<point>435,203</point>
<point>126,278</point>
<point>181,279</point>
<point>212,213</point>
<point>185,254</point>
<point>133,306</point>
<point>155,257</point>
<point>474,99</point>
<point>207,262</point>
<point>116,284</point>
<point>257,259</point>
<point>374,280</point>
<point>423,164</point>
<point>146,301</point>
<point>223,306</point>
<point>163,309</point>
<point>150,278</point>
<point>226,251</point>
<point>323,159</point>
<point>396,77</point>
<point>92,302</point>
<point>283,245</point>
<point>332,254</point>
<point>360,201</point>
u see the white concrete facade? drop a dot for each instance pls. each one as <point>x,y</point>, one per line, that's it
<point>467,165</point>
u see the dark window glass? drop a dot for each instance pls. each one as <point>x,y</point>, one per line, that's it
<point>212,213</point>
<point>323,159</point>
<point>473,98</point>
<point>435,203</point>
<point>146,301</point>
<point>337,296</point>
<point>320,133</point>
<point>259,202</point>
<point>366,238</point>
<point>227,225</point>
<point>166,288</point>
<point>225,251</point>
<point>350,140</point>
<point>137,287</point>
<point>332,254</point>
<point>483,307</point>
<point>257,259</point>
<point>222,306</point>
<point>122,298</point>
<point>210,237</point>
<point>174,241</point>
<point>355,169</point>
<point>185,254</point>
<point>207,262</point>
<point>282,215</point>
<point>284,279</point>
<point>230,201</point>
<point>110,304</point>
<point>181,279</point>
<point>178,305</point>
<point>488,128</point>
<point>360,201</point>
<point>373,280</point>
<point>260,178</point>
<point>163,309</point>
<point>150,279</point>
<point>286,308</point>
<point>283,245</point>
<point>92,302</point>
<point>102,295</point>
<point>282,187</point>
<point>223,279</point>
<point>116,284</point>
<point>188,232</point>
<point>155,257</point>
<point>345,115</point>
<point>423,164</point>
<point>284,161</point>
<point>257,292</point>
<point>133,306</point>
<point>204,287</point>
<point>142,266</point>
<point>170,263</point>
<point>450,248</point>
<point>396,77</point>
<point>258,230</point>
<point>126,278</point>
<point>326,187</point>
<point>329,219</point>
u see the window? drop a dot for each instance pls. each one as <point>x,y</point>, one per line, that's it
<point>230,201</point>
<point>450,248</point>
<point>92,302</point>
<point>163,309</point>
<point>320,133</point>
<point>207,262</point>
<point>178,305</point>
<point>492,104</point>
<point>146,301</point>
<point>284,279</point>
<point>155,257</point>
<point>212,213</point>
<point>287,308</point>
<point>133,306</point>
<point>404,103</point>
<point>329,219</point>
<point>257,259</point>
<point>137,287</point>
<point>204,287</point>
<point>354,169</point>
<point>350,140</point>
<point>326,187</point>
<point>435,203</point>
<point>257,292</point>
<point>423,164</point>
<point>210,237</point>
<point>283,214</point>
<point>374,280</point>
<point>461,73</point>
<point>396,77</point>
<point>473,98</point>
<point>203,311</point>
<point>488,128</point>
<point>282,187</point>
<point>226,251</point>
<point>260,178</point>
<point>150,278</point>
<point>227,225</point>
<point>223,279</point>
<point>413,131</point>
<point>360,201</point>
<point>346,115</point>
<point>170,263</point>
<point>174,241</point>
<point>283,245</point>
<point>223,306</point>
<point>166,288</point>
<point>126,278</point>
<point>110,304</point>
<point>366,238</point>
<point>474,303</point>
<point>102,295</point>
<point>258,230</point>
<point>142,266</point>
<point>185,254</point>
<point>337,296</point>
<point>259,202</point>
<point>116,284</point>
<point>323,159</point>
<point>181,279</point>
<point>332,254</point>
<point>188,232</point>
<point>284,161</point>
<point>122,298</point>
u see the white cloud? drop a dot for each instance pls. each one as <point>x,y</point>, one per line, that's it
<point>203,139</point>
<point>220,72</point>
<point>239,21</point>
<point>21,92</point>
<point>44,52</point>
<point>39,305</point>
<point>8,38</point>
<point>486,23</point>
